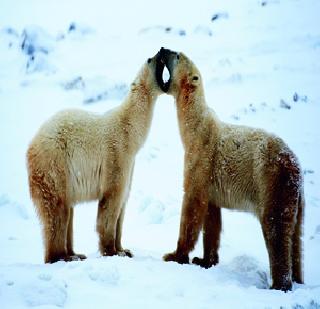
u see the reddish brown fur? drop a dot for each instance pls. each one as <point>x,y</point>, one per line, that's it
<point>238,168</point>
<point>211,237</point>
<point>186,91</point>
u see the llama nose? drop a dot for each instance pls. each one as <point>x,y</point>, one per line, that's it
<point>162,51</point>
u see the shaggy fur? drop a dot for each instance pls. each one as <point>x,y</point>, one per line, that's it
<point>78,156</point>
<point>235,167</point>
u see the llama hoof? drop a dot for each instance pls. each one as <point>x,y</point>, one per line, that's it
<point>202,262</point>
<point>76,257</point>
<point>122,252</point>
<point>174,257</point>
<point>66,257</point>
<point>125,252</point>
<point>53,258</point>
<point>206,263</point>
<point>109,252</point>
<point>284,286</point>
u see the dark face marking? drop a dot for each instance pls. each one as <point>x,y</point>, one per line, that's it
<point>160,64</point>
<point>164,58</point>
<point>159,72</point>
<point>149,60</point>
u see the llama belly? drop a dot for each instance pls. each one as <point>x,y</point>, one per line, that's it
<point>85,175</point>
<point>232,197</point>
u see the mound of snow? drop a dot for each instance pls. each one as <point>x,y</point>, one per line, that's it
<point>97,88</point>
<point>36,44</point>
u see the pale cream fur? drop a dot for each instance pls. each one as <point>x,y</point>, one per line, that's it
<point>78,156</point>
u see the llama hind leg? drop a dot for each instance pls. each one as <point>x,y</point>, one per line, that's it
<point>70,252</point>
<point>297,248</point>
<point>211,238</point>
<point>277,227</point>
<point>55,220</point>
<point>54,215</point>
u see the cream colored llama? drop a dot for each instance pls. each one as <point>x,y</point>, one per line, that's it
<point>78,156</point>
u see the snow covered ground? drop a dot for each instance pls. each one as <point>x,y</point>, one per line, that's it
<point>260,61</point>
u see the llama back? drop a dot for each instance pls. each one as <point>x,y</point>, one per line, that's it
<point>248,159</point>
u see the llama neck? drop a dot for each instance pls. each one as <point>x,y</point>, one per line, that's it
<point>193,115</point>
<point>138,112</point>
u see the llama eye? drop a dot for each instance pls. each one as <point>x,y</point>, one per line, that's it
<point>195,78</point>
<point>149,60</point>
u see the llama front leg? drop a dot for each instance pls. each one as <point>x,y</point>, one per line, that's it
<point>193,212</point>
<point>109,210</point>
<point>120,250</point>
<point>211,237</point>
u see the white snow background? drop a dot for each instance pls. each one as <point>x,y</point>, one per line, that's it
<point>260,62</point>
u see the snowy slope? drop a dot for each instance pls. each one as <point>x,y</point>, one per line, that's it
<point>260,61</point>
